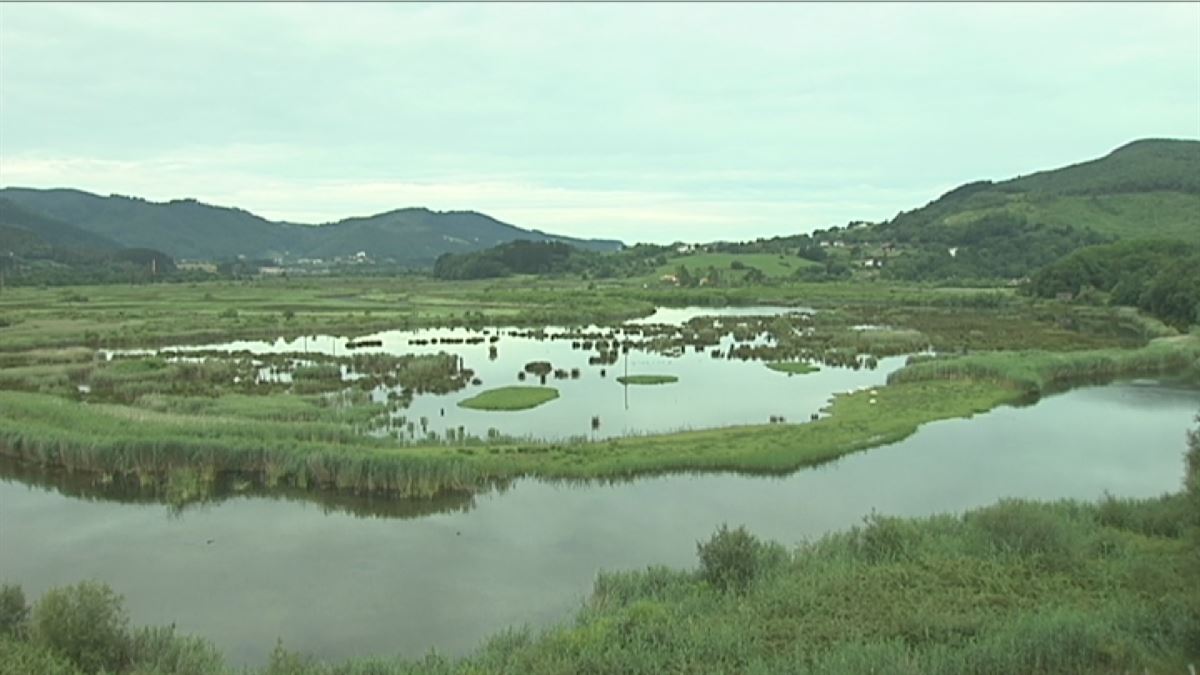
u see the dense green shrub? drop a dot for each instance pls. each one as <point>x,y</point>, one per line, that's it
<point>886,539</point>
<point>1166,516</point>
<point>1192,477</point>
<point>86,623</point>
<point>159,650</point>
<point>732,559</point>
<point>1027,529</point>
<point>13,610</point>
<point>18,657</point>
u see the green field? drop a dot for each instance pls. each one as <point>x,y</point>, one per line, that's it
<point>510,398</point>
<point>647,379</point>
<point>770,264</point>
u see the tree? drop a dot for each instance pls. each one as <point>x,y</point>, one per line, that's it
<point>683,276</point>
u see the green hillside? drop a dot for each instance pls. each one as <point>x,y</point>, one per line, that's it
<point>1147,189</point>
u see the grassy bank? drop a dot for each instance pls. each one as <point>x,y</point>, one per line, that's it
<point>1018,587</point>
<point>510,398</point>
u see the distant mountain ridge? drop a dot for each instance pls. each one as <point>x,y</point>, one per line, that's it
<point>186,228</point>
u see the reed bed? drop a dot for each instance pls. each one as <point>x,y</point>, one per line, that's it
<point>1037,372</point>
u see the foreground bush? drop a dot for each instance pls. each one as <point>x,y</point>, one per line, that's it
<point>85,623</point>
<point>732,559</point>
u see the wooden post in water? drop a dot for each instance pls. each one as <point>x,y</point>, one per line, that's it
<point>626,379</point>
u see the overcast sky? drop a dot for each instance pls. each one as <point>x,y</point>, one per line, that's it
<point>643,122</point>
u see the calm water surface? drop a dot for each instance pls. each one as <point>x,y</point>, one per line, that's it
<point>338,585</point>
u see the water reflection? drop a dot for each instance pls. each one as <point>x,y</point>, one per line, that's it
<point>90,487</point>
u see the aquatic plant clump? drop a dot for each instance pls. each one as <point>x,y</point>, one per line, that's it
<point>647,379</point>
<point>510,398</point>
<point>793,367</point>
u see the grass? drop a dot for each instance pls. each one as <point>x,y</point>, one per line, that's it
<point>792,367</point>
<point>510,398</point>
<point>771,265</point>
<point>647,379</point>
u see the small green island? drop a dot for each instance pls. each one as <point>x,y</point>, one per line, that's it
<point>793,367</point>
<point>510,398</point>
<point>647,379</point>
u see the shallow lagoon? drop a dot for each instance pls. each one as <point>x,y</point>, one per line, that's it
<point>711,392</point>
<point>528,555</point>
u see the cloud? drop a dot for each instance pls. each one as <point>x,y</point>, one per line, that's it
<point>665,121</point>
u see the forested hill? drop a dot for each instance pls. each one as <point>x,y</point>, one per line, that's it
<point>191,229</point>
<point>1148,189</point>
<point>22,232</point>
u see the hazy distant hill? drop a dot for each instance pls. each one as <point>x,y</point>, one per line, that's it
<point>23,232</point>
<point>423,235</point>
<point>190,229</point>
<point>1147,189</point>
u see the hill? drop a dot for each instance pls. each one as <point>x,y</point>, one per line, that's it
<point>1148,189</point>
<point>422,235</point>
<point>190,229</point>
<point>22,232</point>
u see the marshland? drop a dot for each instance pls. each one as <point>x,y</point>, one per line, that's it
<point>470,432</point>
<point>591,338</point>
